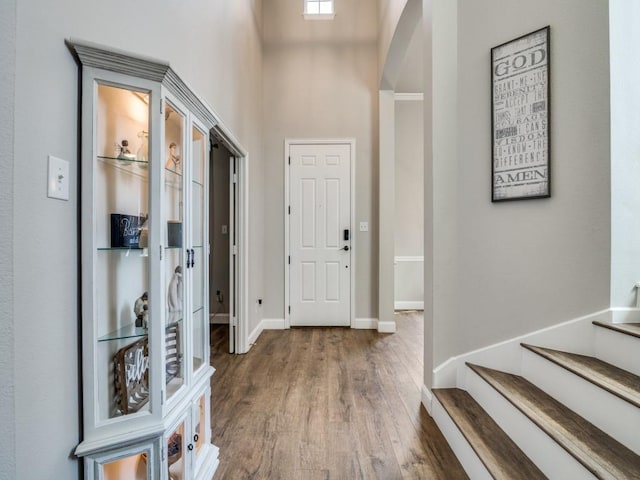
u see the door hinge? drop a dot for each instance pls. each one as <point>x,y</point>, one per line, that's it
<point>289,259</point>
<point>235,178</point>
<point>160,252</point>
<point>289,309</point>
<point>161,106</point>
<point>289,160</point>
<point>289,209</point>
<point>235,249</point>
<point>234,322</point>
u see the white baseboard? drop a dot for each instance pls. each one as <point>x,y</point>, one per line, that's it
<point>404,305</point>
<point>266,324</point>
<point>365,323</point>
<point>427,399</point>
<point>219,319</point>
<point>374,324</point>
<point>387,327</point>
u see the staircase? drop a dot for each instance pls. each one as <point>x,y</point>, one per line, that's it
<point>558,414</point>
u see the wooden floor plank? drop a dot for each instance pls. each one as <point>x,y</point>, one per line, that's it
<point>326,403</point>
<point>602,455</point>
<point>619,382</point>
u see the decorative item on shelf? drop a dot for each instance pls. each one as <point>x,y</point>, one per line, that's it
<point>173,355</point>
<point>145,317</point>
<point>142,154</point>
<point>173,162</point>
<point>140,308</point>
<point>143,240</point>
<point>174,448</point>
<point>125,230</point>
<point>174,293</point>
<point>174,233</point>
<point>125,153</point>
<point>131,375</point>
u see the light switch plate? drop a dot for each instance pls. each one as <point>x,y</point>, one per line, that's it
<point>58,178</point>
<point>364,226</point>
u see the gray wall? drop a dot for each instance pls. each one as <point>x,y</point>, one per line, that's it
<point>409,201</point>
<point>320,81</point>
<point>409,175</point>
<point>45,251</point>
<point>7,354</point>
<point>519,266</point>
<point>625,151</point>
<point>219,216</point>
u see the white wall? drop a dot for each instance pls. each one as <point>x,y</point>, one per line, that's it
<point>625,151</point>
<point>519,266</point>
<point>45,250</point>
<point>319,82</point>
<point>7,354</point>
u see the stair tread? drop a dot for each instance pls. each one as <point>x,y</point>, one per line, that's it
<point>632,329</point>
<point>602,455</point>
<point>499,454</point>
<point>617,381</point>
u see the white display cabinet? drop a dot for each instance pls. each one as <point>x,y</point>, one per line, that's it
<point>145,337</point>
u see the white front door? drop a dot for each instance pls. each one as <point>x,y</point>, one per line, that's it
<point>320,234</point>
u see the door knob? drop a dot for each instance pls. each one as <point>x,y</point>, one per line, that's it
<point>345,248</point>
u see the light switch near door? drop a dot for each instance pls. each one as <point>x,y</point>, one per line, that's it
<point>364,226</point>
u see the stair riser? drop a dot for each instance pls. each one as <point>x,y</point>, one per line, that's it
<point>614,416</point>
<point>618,349</point>
<point>552,459</point>
<point>463,451</point>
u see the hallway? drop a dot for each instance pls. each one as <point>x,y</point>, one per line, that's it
<point>334,403</point>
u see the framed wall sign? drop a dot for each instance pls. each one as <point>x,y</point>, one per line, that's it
<point>520,118</point>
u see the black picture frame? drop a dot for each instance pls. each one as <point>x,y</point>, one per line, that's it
<point>520,118</point>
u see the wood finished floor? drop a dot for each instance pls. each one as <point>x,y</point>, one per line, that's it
<point>326,403</point>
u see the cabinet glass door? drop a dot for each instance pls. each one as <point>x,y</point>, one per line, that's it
<point>200,246</point>
<point>200,422</point>
<point>121,268</point>
<point>174,213</point>
<point>176,454</point>
<point>133,467</point>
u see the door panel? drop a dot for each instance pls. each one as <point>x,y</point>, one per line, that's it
<point>320,196</point>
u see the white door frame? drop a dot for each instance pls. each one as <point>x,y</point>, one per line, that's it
<point>223,135</point>
<point>352,252</point>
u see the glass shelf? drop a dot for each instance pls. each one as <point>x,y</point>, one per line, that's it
<point>143,250</point>
<point>172,178</point>
<point>174,318</point>
<point>128,331</point>
<point>127,164</point>
<point>131,331</point>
